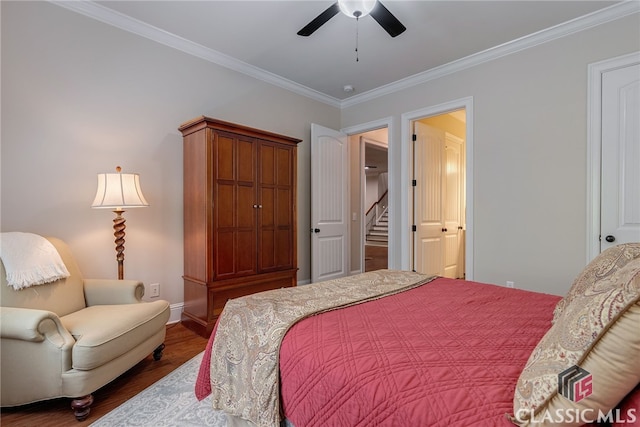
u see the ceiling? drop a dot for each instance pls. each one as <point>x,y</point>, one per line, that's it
<point>259,37</point>
<point>375,160</point>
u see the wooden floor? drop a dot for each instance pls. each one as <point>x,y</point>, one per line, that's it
<point>375,257</point>
<point>182,345</point>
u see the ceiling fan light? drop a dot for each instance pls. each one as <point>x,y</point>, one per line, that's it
<point>356,8</point>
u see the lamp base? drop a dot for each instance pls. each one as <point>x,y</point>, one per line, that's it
<point>118,232</point>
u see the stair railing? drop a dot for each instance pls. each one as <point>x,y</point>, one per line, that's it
<point>376,211</point>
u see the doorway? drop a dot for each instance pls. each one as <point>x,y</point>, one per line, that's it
<point>370,212</point>
<point>375,192</point>
<point>439,201</point>
<point>405,248</point>
<point>338,158</point>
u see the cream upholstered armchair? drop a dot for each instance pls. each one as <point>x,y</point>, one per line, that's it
<point>70,337</point>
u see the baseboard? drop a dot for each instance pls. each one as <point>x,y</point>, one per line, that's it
<point>176,312</point>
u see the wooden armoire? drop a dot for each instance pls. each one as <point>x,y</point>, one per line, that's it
<point>239,216</point>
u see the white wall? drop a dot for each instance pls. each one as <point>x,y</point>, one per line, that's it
<point>371,191</point>
<point>80,97</point>
<point>529,148</point>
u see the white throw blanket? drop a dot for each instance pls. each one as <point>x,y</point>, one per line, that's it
<point>30,260</point>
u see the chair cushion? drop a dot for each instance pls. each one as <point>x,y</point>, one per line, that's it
<point>105,332</point>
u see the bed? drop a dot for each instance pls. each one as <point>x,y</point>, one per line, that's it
<point>395,348</point>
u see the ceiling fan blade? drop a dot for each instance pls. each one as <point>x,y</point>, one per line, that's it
<point>320,20</point>
<point>387,21</point>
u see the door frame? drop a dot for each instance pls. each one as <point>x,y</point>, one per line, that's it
<point>406,162</point>
<point>387,122</point>
<point>594,144</point>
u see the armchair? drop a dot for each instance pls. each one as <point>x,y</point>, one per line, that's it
<point>70,337</point>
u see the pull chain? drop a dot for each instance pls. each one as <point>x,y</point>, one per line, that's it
<point>357,14</point>
<point>357,54</point>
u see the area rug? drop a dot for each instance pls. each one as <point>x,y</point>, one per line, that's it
<point>170,402</point>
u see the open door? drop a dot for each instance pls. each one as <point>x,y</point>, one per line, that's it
<point>428,213</point>
<point>329,204</point>
<point>439,202</point>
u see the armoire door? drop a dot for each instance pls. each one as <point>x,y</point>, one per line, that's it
<point>235,205</point>
<point>275,207</point>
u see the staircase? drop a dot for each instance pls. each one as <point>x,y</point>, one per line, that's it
<point>379,233</point>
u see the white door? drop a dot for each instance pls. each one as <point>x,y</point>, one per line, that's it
<point>620,170</point>
<point>453,179</point>
<point>429,237</point>
<point>329,204</point>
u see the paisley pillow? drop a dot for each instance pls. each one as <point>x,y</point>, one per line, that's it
<point>588,361</point>
<point>600,268</point>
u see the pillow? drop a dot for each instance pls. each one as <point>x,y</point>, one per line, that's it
<point>588,361</point>
<point>600,268</point>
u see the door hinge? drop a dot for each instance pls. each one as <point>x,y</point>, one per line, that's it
<point>414,228</point>
<point>414,183</point>
<point>414,137</point>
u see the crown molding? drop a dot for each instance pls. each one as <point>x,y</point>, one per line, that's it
<point>108,16</point>
<point>611,13</point>
<point>119,20</point>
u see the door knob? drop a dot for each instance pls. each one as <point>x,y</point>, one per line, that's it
<point>316,230</point>
<point>610,238</point>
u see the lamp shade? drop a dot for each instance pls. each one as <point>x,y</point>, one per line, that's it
<point>119,191</point>
<point>356,8</point>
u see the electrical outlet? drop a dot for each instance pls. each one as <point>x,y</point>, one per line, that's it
<point>510,284</point>
<point>154,290</point>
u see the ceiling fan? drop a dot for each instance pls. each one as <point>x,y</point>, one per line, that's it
<point>357,9</point>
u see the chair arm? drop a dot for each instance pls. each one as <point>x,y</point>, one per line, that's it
<point>36,350</point>
<point>108,291</point>
<point>34,325</point>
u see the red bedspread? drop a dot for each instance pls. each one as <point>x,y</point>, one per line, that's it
<point>448,353</point>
